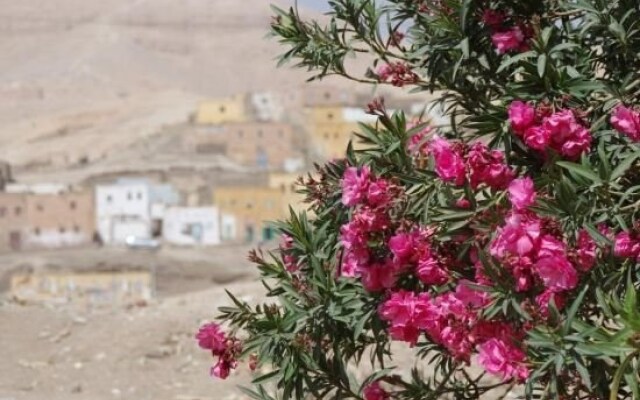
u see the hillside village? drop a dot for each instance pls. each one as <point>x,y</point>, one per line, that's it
<point>269,139</point>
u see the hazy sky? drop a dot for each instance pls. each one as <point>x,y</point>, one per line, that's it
<point>316,4</point>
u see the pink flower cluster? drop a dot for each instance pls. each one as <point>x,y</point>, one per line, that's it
<point>627,121</point>
<point>627,245</point>
<point>506,38</point>
<point>454,162</point>
<point>560,131</point>
<point>211,337</point>
<point>452,321</point>
<point>290,261</point>
<point>374,391</point>
<point>397,73</point>
<point>418,143</point>
<point>371,199</point>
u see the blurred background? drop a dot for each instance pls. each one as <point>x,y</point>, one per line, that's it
<point>144,145</point>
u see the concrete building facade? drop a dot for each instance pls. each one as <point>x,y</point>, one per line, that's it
<point>331,128</point>
<point>13,221</point>
<point>264,145</point>
<point>59,220</point>
<point>191,226</point>
<point>122,209</point>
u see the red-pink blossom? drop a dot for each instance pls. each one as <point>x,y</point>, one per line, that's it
<point>403,246</point>
<point>211,337</point>
<point>585,251</point>
<point>557,273</point>
<point>488,167</point>
<point>626,245</point>
<point>509,40</point>
<point>418,143</point>
<point>407,314</point>
<point>504,359</point>
<point>374,391</point>
<point>378,276</point>
<point>449,161</point>
<point>430,271</point>
<point>543,300</point>
<point>567,136</point>
<point>627,121</point>
<point>522,193</point>
<point>537,137</point>
<point>379,193</point>
<point>522,116</point>
<point>520,236</point>
<point>493,18</point>
<point>222,368</point>
<point>470,296</point>
<point>355,183</point>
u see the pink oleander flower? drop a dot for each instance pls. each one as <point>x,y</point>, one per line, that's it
<point>509,40</point>
<point>378,193</point>
<point>557,273</point>
<point>351,265</point>
<point>520,236</point>
<point>355,183</point>
<point>537,137</point>
<point>470,296</point>
<point>449,161</point>
<point>463,203</point>
<point>544,299</point>
<point>418,143</point>
<point>567,136</point>
<point>430,271</point>
<point>407,314</point>
<point>585,251</point>
<point>403,247</point>
<point>626,246</point>
<point>493,18</point>
<point>451,322</point>
<point>488,167</point>
<point>522,193</point>
<point>627,121</point>
<point>222,369</point>
<point>371,220</point>
<point>378,277</point>
<point>522,116</point>
<point>353,236</point>
<point>211,337</point>
<point>374,391</point>
<point>501,358</point>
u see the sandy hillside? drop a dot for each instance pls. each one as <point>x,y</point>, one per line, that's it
<point>86,79</point>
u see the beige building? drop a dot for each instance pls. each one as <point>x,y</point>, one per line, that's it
<point>286,184</point>
<point>220,111</point>
<point>59,220</point>
<point>253,208</point>
<point>91,288</point>
<point>13,221</point>
<point>265,145</point>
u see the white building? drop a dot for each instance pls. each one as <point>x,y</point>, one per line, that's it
<point>192,226</point>
<point>123,209</point>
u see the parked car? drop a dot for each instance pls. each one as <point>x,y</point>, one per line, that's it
<point>136,242</point>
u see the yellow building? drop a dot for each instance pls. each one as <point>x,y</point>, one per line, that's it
<point>253,208</point>
<point>331,129</point>
<point>286,183</point>
<point>220,111</point>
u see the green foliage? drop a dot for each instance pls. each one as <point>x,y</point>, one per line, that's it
<point>316,327</point>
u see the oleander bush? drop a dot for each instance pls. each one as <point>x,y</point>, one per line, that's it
<point>508,239</point>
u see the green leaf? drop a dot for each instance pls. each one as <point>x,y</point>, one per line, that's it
<point>581,170</point>
<point>542,65</point>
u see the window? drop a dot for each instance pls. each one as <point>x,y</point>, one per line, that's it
<point>249,206</point>
<point>129,196</point>
<point>327,95</point>
<point>109,199</point>
<point>259,133</point>
<point>330,116</point>
<point>62,229</point>
<point>39,207</point>
<point>283,188</point>
<point>3,211</point>
<point>336,135</point>
<point>76,228</point>
<point>72,205</point>
<point>222,109</point>
<point>326,136</point>
<point>293,187</point>
<point>18,210</point>
<point>37,231</point>
<point>280,134</point>
<point>139,196</point>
